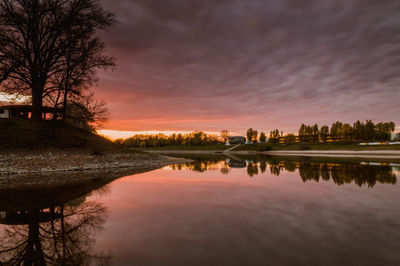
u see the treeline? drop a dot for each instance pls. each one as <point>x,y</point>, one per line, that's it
<point>339,132</point>
<point>252,136</point>
<point>162,140</point>
<point>340,174</point>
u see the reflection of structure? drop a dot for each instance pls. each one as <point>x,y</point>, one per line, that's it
<point>236,164</point>
<point>50,226</point>
<point>59,235</point>
<point>24,217</point>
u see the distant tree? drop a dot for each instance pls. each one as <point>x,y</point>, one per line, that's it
<point>324,133</point>
<point>179,139</point>
<point>199,138</point>
<point>392,126</point>
<point>358,129</point>
<point>143,144</point>
<point>254,136</point>
<point>274,136</point>
<point>369,131</point>
<point>336,129</point>
<point>263,137</point>
<point>224,135</point>
<point>309,134</point>
<point>302,132</point>
<point>315,133</point>
<point>383,130</point>
<point>249,135</point>
<point>347,133</point>
<point>160,140</point>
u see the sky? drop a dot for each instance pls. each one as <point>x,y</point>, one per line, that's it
<point>233,64</point>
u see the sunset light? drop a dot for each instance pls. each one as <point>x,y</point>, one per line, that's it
<point>117,134</point>
<point>200,132</point>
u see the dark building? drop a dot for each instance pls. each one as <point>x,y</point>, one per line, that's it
<point>25,111</point>
<point>237,140</point>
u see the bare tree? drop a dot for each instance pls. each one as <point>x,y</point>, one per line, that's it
<point>66,239</point>
<point>89,110</point>
<point>263,137</point>
<point>41,41</point>
<point>73,83</point>
<point>224,135</point>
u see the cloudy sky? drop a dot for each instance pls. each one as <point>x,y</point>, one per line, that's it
<point>235,64</point>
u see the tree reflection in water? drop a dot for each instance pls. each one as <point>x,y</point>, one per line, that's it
<point>252,169</point>
<point>339,173</point>
<point>61,235</point>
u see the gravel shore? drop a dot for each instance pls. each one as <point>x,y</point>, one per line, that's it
<point>51,161</point>
<point>57,171</point>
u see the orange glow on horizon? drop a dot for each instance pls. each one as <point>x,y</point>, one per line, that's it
<point>120,134</point>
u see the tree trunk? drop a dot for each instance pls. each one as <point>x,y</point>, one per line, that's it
<point>37,103</point>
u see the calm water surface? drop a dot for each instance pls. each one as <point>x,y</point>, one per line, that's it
<point>219,211</point>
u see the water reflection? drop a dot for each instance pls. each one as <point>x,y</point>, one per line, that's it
<point>60,234</point>
<point>360,173</point>
<point>214,214</point>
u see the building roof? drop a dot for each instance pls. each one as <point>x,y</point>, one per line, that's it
<point>237,137</point>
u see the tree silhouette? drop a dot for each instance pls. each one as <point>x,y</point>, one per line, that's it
<point>61,236</point>
<point>263,137</point>
<point>49,46</point>
<point>224,135</point>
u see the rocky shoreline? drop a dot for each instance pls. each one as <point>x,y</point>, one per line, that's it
<point>58,171</point>
<point>62,161</point>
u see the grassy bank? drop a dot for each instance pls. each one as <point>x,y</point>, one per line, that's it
<point>217,147</point>
<point>257,157</point>
<point>28,135</point>
<point>53,146</point>
<point>278,147</point>
<point>315,147</point>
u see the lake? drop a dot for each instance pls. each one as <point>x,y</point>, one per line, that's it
<point>214,210</point>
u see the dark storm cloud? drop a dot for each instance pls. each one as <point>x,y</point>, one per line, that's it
<point>270,62</point>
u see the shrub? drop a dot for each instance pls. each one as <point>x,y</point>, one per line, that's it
<point>143,144</point>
